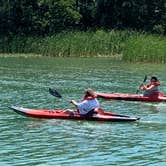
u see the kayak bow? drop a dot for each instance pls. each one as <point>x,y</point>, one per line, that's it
<point>60,114</point>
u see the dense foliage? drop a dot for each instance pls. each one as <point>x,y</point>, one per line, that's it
<point>43,17</point>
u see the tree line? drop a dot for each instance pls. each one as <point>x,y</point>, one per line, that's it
<point>44,17</point>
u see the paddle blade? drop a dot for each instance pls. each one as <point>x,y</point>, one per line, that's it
<point>145,78</point>
<point>53,92</point>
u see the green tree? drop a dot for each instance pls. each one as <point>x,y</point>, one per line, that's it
<point>37,16</point>
<point>137,14</point>
<point>87,10</point>
<point>54,16</point>
<point>42,17</point>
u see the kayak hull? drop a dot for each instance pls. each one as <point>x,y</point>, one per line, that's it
<point>132,97</point>
<point>60,114</point>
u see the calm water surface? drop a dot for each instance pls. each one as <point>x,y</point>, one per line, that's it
<point>40,142</point>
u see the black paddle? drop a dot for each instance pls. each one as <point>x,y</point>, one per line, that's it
<point>145,78</point>
<point>53,92</point>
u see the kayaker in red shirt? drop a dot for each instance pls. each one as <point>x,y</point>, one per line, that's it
<point>151,89</point>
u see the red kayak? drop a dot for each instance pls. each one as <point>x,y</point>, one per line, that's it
<point>60,114</point>
<point>132,97</point>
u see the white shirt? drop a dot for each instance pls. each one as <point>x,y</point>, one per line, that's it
<point>87,105</point>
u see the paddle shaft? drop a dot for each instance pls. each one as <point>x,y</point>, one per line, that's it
<point>145,78</point>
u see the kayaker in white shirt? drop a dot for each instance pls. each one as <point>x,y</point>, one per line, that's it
<point>88,105</point>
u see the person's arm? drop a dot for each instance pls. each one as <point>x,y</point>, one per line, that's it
<point>149,87</point>
<point>145,87</point>
<point>74,103</point>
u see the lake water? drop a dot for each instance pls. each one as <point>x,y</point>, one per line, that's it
<point>41,142</point>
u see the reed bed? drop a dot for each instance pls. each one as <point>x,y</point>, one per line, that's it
<point>143,47</point>
<point>126,45</point>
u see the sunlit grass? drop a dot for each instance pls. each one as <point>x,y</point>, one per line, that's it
<point>126,45</point>
<point>19,55</point>
<point>145,48</point>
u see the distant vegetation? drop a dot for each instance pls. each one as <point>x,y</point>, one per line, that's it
<point>143,47</point>
<point>126,45</point>
<point>43,17</point>
<point>85,28</point>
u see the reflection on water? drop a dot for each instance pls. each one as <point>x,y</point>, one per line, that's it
<point>154,109</point>
<point>29,141</point>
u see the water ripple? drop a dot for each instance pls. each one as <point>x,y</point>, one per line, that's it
<point>40,142</point>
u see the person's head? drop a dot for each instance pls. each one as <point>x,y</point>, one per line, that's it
<point>89,92</point>
<point>154,79</point>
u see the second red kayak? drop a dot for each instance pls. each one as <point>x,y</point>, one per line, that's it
<point>60,114</point>
<point>132,97</point>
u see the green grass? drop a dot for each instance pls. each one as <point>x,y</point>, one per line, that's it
<point>126,45</point>
<point>145,48</point>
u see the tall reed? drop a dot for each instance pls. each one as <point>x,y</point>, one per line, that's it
<point>143,47</point>
<point>128,45</point>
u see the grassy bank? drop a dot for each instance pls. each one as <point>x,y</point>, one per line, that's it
<point>145,48</point>
<point>127,45</point>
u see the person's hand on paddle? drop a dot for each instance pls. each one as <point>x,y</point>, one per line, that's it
<point>74,102</point>
<point>142,85</point>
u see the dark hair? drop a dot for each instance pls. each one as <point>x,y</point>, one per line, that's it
<point>154,78</point>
